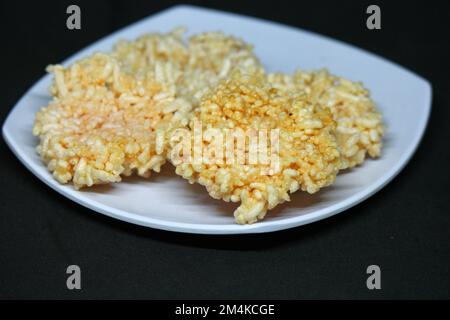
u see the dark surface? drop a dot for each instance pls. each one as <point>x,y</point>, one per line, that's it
<point>404,228</point>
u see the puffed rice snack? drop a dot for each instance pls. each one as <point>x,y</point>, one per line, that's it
<point>305,146</point>
<point>103,123</point>
<point>359,123</point>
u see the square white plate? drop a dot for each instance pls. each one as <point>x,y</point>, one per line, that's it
<point>168,202</point>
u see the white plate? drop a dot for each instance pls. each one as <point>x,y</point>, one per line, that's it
<point>170,203</point>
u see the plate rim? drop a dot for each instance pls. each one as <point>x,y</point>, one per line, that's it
<point>215,229</point>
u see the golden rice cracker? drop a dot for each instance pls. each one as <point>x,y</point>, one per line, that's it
<point>359,123</point>
<point>273,143</point>
<point>214,56</point>
<point>103,123</point>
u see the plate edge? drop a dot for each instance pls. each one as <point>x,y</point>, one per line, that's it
<point>259,229</point>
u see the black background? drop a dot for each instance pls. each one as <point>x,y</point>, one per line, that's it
<point>404,228</point>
